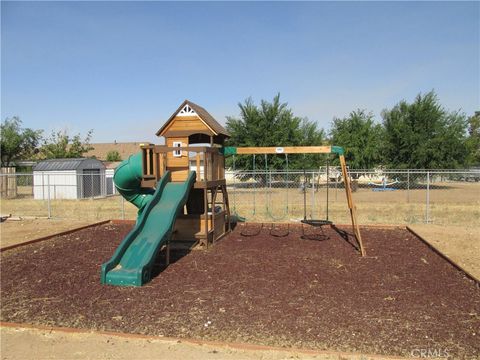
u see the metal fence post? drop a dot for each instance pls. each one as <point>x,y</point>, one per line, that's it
<point>427,207</point>
<point>123,207</point>
<point>48,197</point>
<point>43,186</point>
<point>234,192</point>
<point>313,195</point>
<point>408,186</point>
<point>336,188</point>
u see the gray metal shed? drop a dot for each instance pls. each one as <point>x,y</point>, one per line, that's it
<point>69,179</point>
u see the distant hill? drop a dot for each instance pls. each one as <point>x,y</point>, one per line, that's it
<point>101,150</point>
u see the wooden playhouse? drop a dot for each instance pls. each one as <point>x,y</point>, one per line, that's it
<point>193,139</point>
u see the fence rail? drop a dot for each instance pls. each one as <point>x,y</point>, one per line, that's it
<point>446,197</point>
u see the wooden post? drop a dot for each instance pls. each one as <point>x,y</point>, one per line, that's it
<point>148,154</point>
<point>197,158</point>
<point>156,171</point>
<point>205,204</point>
<point>214,199</point>
<point>351,206</point>
<point>167,253</point>
<point>205,167</point>
<point>226,205</point>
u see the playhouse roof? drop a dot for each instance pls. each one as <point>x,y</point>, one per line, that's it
<point>202,114</point>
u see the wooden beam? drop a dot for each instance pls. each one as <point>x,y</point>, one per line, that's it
<point>226,206</point>
<point>285,150</point>
<point>182,133</point>
<point>197,159</point>
<point>206,149</point>
<point>162,165</point>
<point>351,205</point>
<point>205,204</point>
<point>148,170</point>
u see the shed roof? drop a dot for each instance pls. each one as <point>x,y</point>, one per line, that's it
<point>203,114</point>
<point>68,164</point>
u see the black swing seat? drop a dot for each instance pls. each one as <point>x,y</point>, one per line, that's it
<point>312,222</point>
<point>316,235</point>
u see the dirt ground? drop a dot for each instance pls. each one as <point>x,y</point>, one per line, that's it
<point>313,293</point>
<point>14,232</point>
<point>459,243</point>
<point>21,343</point>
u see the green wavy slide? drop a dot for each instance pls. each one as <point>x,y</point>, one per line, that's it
<point>132,262</point>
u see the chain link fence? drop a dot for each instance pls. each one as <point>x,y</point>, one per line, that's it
<point>90,196</point>
<point>444,197</point>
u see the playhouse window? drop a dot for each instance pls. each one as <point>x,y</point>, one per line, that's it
<point>177,153</point>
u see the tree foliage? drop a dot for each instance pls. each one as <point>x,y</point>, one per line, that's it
<point>423,135</point>
<point>271,124</point>
<point>17,143</point>
<point>113,155</point>
<point>473,140</point>
<point>61,145</point>
<point>361,138</point>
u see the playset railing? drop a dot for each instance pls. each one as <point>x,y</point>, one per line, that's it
<point>208,162</point>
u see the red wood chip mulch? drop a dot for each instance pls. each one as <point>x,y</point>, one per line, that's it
<point>282,291</point>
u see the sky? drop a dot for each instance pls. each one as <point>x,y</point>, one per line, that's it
<point>122,68</point>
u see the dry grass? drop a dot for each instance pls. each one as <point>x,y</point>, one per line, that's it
<point>455,204</point>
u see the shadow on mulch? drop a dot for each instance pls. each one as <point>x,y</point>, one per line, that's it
<point>161,260</point>
<point>348,237</point>
<point>263,289</point>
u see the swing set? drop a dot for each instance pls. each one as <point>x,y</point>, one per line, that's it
<point>316,223</point>
<point>268,200</point>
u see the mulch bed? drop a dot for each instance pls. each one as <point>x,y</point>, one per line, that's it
<point>283,291</point>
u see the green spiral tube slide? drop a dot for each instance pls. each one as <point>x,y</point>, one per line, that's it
<point>128,178</point>
<point>133,260</point>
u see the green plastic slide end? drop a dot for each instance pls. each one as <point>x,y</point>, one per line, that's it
<point>338,150</point>
<point>228,150</point>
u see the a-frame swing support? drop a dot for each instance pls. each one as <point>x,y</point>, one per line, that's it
<point>351,205</point>
<point>310,150</point>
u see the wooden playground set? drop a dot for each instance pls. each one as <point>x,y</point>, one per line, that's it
<point>182,192</point>
<point>189,126</point>
<point>290,291</point>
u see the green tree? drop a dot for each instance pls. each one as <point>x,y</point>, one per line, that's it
<point>17,143</point>
<point>271,124</point>
<point>60,145</point>
<point>473,140</point>
<point>113,155</point>
<point>361,138</point>
<point>423,135</point>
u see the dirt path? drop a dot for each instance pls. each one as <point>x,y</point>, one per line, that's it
<point>459,243</point>
<point>14,232</point>
<point>21,344</point>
